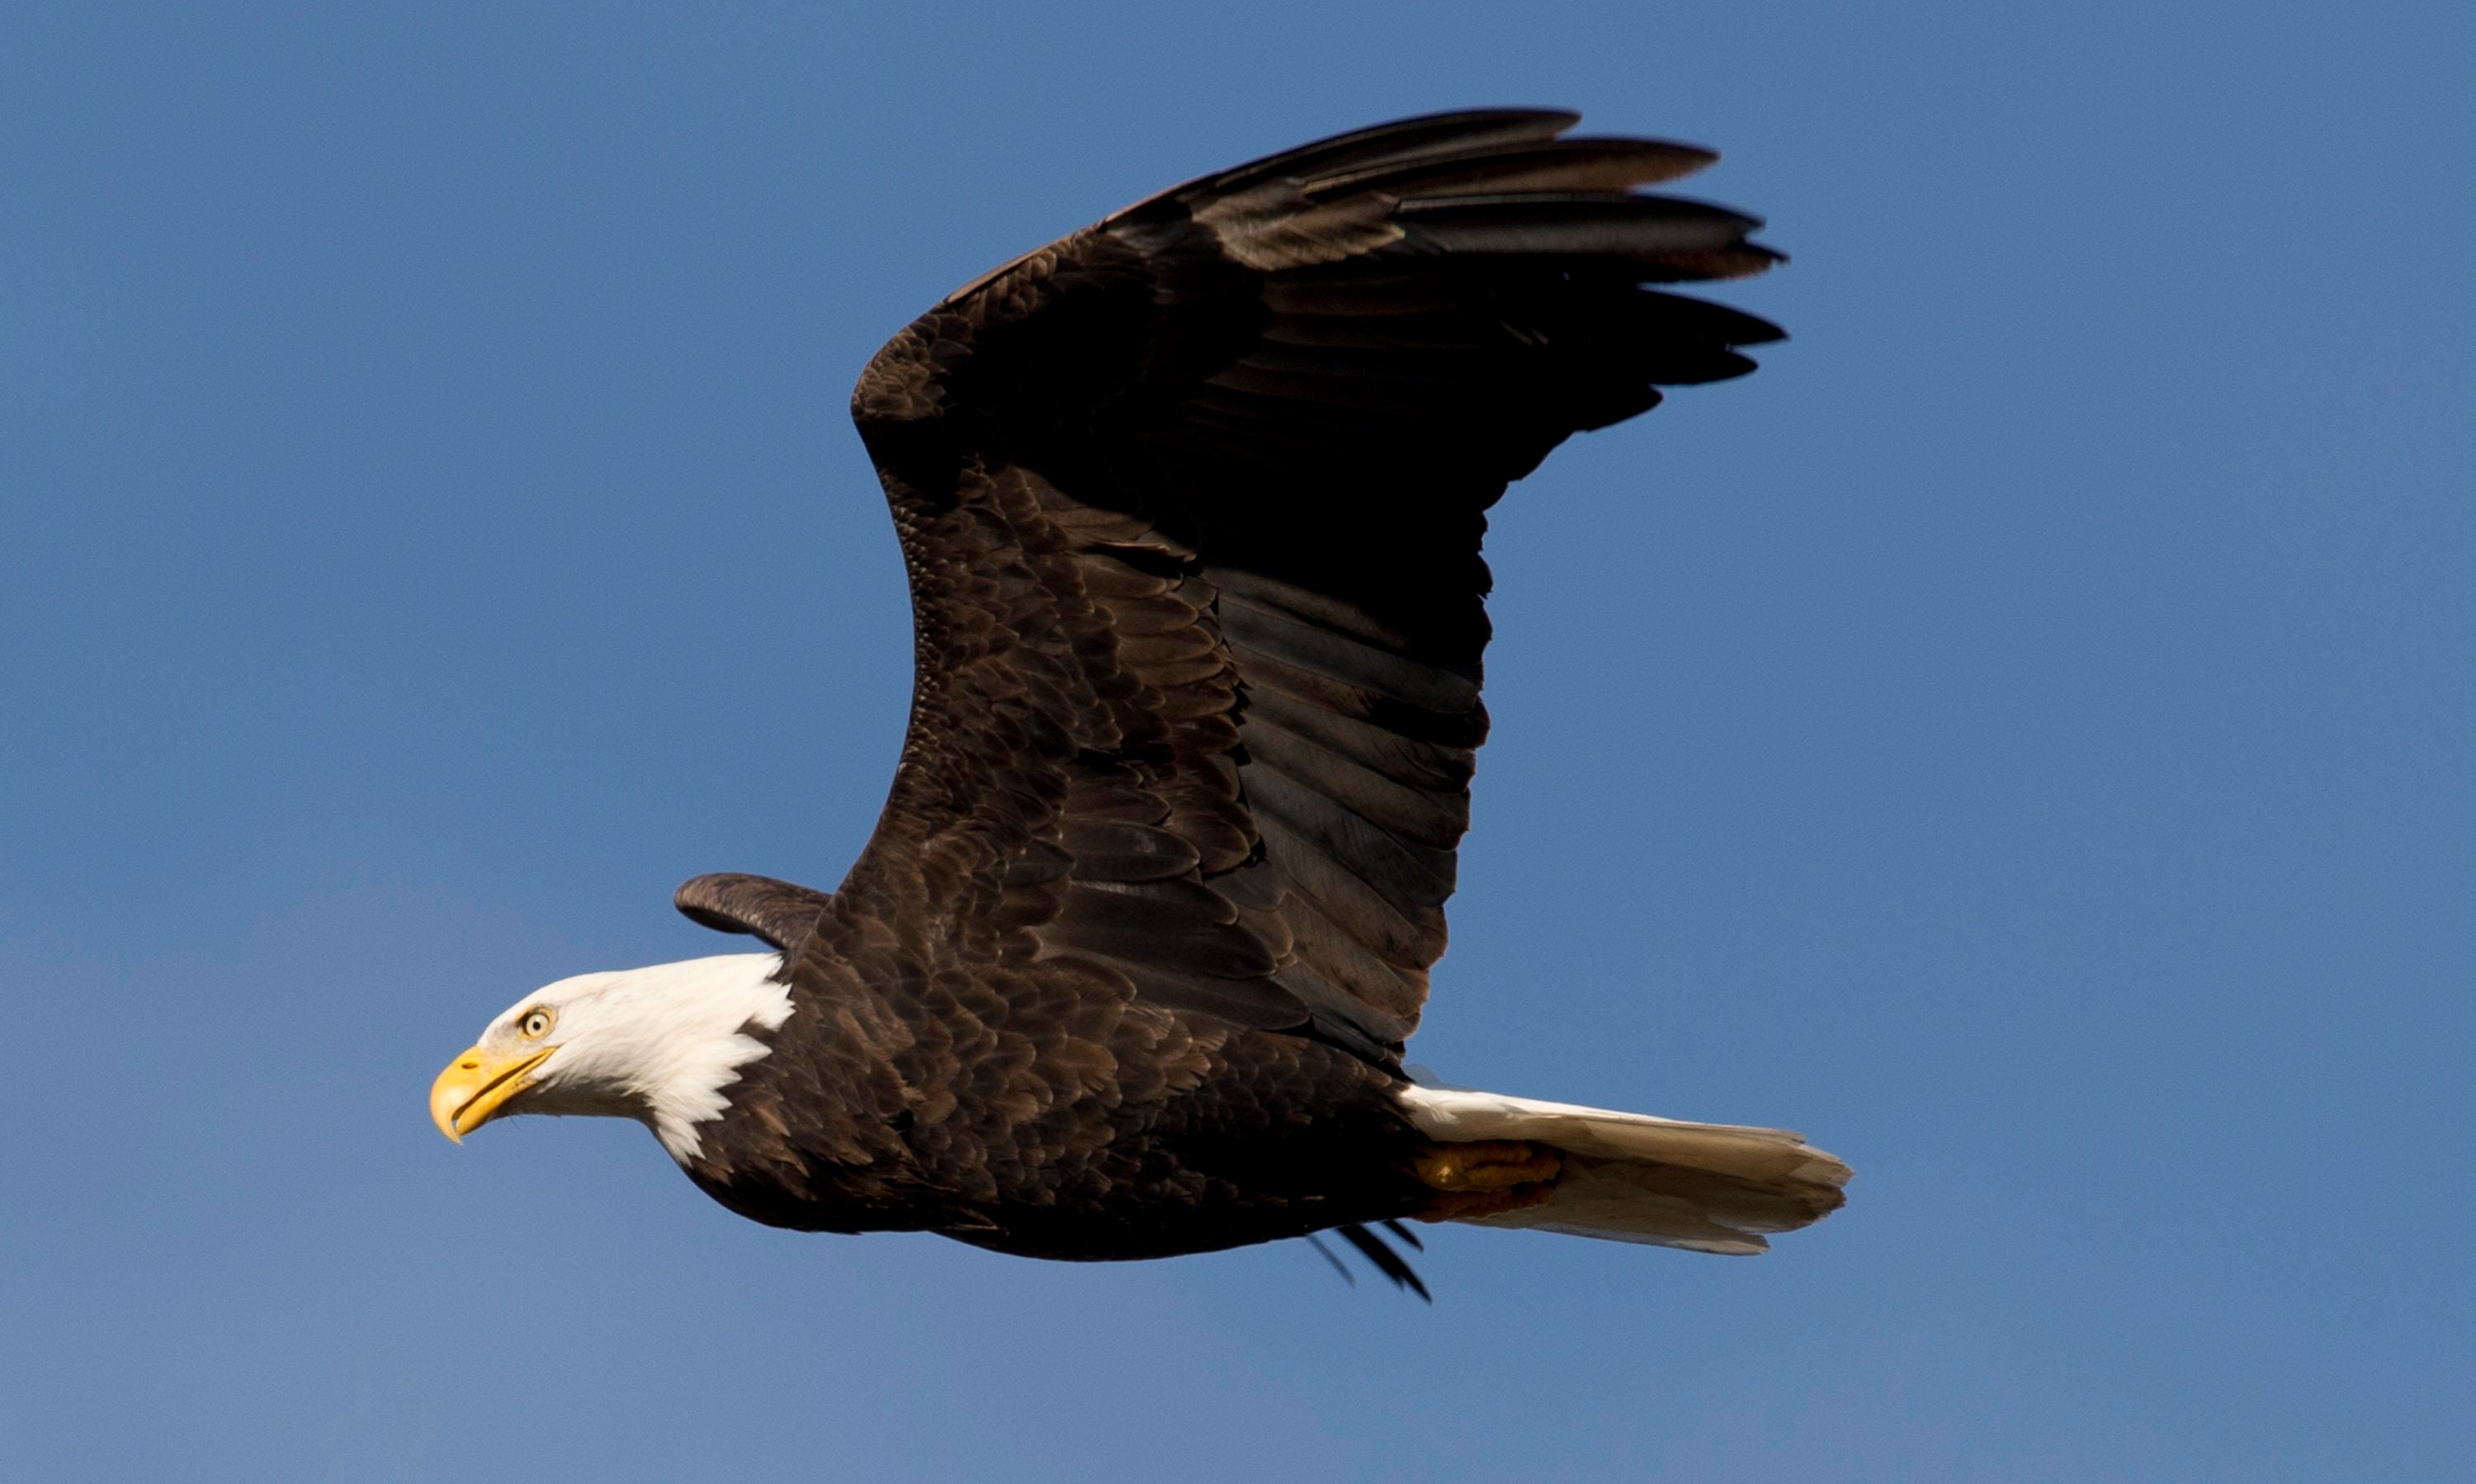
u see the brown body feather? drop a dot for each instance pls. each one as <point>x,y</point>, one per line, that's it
<point>1192,502</point>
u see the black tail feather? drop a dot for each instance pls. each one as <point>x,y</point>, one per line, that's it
<point>1384,1259</point>
<point>1327,1254</point>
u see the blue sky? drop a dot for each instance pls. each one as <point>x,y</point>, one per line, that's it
<point>2020,737</point>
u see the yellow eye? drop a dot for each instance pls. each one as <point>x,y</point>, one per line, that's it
<point>535,1025</point>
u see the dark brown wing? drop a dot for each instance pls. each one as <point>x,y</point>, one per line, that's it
<point>780,912</point>
<point>1192,502</point>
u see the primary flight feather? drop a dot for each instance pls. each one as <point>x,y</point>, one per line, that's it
<point>1192,501</point>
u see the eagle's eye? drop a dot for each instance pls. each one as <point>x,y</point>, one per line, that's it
<point>535,1025</point>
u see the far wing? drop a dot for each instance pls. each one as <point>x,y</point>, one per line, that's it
<point>781,913</point>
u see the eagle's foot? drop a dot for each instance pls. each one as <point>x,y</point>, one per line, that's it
<point>1462,1205</point>
<point>1491,1168</point>
<point>1486,1164</point>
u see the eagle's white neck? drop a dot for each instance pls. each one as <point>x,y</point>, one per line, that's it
<point>658,1044</point>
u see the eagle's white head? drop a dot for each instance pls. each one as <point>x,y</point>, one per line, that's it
<point>658,1045</point>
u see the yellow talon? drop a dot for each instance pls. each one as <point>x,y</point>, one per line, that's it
<point>1486,1165</point>
<point>1462,1205</point>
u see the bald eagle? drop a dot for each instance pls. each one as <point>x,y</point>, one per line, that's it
<point>1191,501</point>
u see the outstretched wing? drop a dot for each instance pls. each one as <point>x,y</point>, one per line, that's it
<point>1192,502</point>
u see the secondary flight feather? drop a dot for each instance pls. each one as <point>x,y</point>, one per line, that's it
<point>1191,503</point>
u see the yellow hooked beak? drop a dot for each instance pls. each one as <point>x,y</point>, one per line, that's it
<point>476,1085</point>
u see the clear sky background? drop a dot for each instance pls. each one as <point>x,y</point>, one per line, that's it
<point>2021,738</point>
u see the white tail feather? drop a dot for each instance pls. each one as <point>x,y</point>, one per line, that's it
<point>1632,1177</point>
